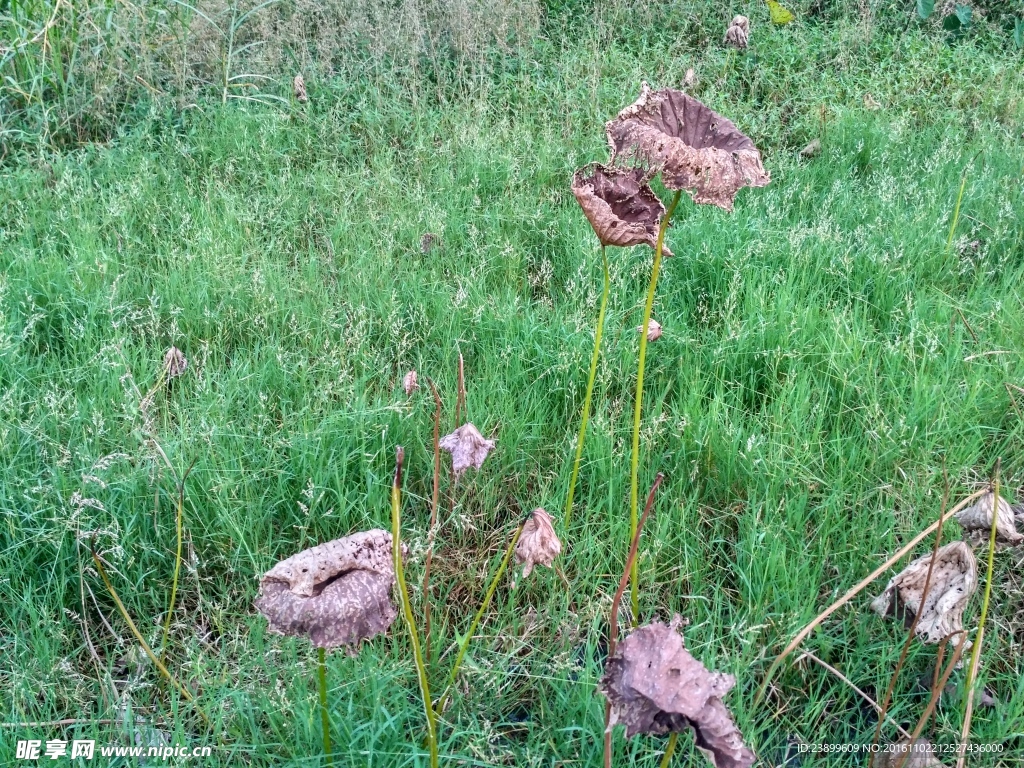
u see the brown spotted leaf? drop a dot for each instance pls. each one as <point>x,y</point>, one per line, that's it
<point>337,593</point>
<point>954,579</point>
<point>738,33</point>
<point>655,686</point>
<point>299,89</point>
<point>693,147</point>
<point>619,204</point>
<point>977,522</point>
<point>468,448</point>
<point>538,544</point>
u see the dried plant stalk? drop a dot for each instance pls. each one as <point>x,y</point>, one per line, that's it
<point>434,499</point>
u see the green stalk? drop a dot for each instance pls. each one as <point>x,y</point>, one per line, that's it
<point>670,749</point>
<point>403,593</point>
<point>476,619</point>
<point>590,389</point>
<point>634,468</point>
<point>321,668</point>
<point>956,213</point>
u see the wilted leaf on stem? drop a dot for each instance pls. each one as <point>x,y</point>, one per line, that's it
<point>337,593</point>
<point>653,330</point>
<point>693,147</point>
<point>468,448</point>
<point>977,522</point>
<point>619,204</point>
<point>538,544</point>
<point>954,579</point>
<point>655,686</point>
<point>410,383</point>
<point>738,33</point>
<point>174,363</point>
<point>299,87</point>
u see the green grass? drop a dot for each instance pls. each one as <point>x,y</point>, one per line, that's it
<point>812,381</point>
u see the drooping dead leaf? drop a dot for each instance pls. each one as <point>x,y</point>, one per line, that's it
<point>654,685</point>
<point>871,102</point>
<point>811,149</point>
<point>538,544</point>
<point>919,754</point>
<point>738,33</point>
<point>410,383</point>
<point>977,522</point>
<point>693,147</point>
<point>299,87</point>
<point>653,330</point>
<point>690,79</point>
<point>619,204</point>
<point>428,242</point>
<point>337,593</point>
<point>954,579</point>
<point>468,448</point>
<point>174,363</point>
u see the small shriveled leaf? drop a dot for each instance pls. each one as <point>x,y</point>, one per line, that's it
<point>538,544</point>
<point>428,242</point>
<point>337,593</point>
<point>410,382</point>
<point>468,448</point>
<point>690,80</point>
<point>738,33</point>
<point>655,686</point>
<point>619,204</point>
<point>299,88</point>
<point>693,147</point>
<point>916,754</point>
<point>174,363</point>
<point>653,330</point>
<point>812,149</point>
<point>977,522</point>
<point>954,579</point>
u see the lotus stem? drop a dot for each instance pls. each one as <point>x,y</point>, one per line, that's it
<point>634,469</point>
<point>177,559</point>
<point>956,213</point>
<point>972,670</point>
<point>476,619</point>
<point>433,516</point>
<point>670,749</point>
<point>590,388</point>
<point>403,593</point>
<point>325,722</point>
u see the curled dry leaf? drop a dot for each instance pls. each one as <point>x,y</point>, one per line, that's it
<point>693,147</point>
<point>954,579</point>
<point>654,685</point>
<point>977,522</point>
<point>738,33</point>
<point>174,363</point>
<point>619,204</point>
<point>468,448</point>
<point>811,149</point>
<point>916,754</point>
<point>299,87</point>
<point>337,593</point>
<point>410,383</point>
<point>690,80</point>
<point>538,544</point>
<point>653,330</point>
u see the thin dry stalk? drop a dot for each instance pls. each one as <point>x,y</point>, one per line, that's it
<point>860,587</point>
<point>613,627</point>
<point>1009,391</point>
<point>913,625</point>
<point>460,398</point>
<point>435,497</point>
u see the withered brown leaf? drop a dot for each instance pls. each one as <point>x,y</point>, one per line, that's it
<point>337,593</point>
<point>619,204</point>
<point>954,579</point>
<point>538,544</point>
<point>410,382</point>
<point>653,330</point>
<point>738,33</point>
<point>977,522</point>
<point>299,88</point>
<point>468,448</point>
<point>174,363</point>
<point>693,147</point>
<point>654,685</point>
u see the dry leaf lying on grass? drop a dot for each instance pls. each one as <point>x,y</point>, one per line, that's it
<point>468,448</point>
<point>653,330</point>
<point>954,579</point>
<point>174,363</point>
<point>538,544</point>
<point>337,593</point>
<point>693,147</point>
<point>619,204</point>
<point>738,33</point>
<point>921,755</point>
<point>654,685</point>
<point>977,522</point>
<point>812,149</point>
<point>690,79</point>
<point>299,87</point>
<point>410,383</point>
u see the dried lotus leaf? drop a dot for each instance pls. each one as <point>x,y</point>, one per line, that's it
<point>468,448</point>
<point>538,544</point>
<point>368,551</point>
<point>977,522</point>
<point>620,205</point>
<point>738,33</point>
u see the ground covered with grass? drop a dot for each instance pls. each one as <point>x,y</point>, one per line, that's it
<point>830,351</point>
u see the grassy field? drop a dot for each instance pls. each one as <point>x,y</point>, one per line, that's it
<point>825,359</point>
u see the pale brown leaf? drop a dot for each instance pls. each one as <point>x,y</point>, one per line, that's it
<point>410,382</point>
<point>619,204</point>
<point>468,448</point>
<point>174,363</point>
<point>977,522</point>
<point>299,88</point>
<point>738,33</point>
<point>653,330</point>
<point>538,544</point>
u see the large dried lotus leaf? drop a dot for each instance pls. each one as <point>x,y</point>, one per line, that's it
<point>977,522</point>
<point>468,448</point>
<point>368,551</point>
<point>619,204</point>
<point>692,146</point>
<point>538,544</point>
<point>655,686</point>
<point>954,579</point>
